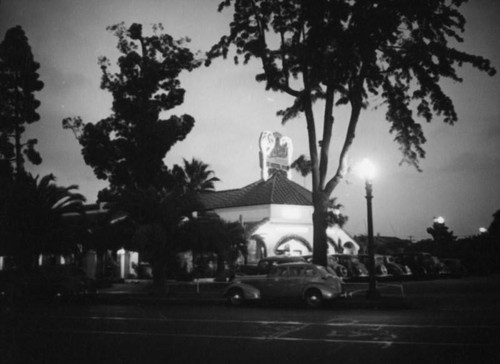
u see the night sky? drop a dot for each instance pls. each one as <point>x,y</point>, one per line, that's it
<point>461,174</point>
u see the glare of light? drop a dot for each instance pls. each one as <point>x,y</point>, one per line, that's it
<point>366,170</point>
<point>439,220</point>
<point>483,230</point>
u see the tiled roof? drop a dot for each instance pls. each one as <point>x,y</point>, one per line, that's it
<point>276,190</point>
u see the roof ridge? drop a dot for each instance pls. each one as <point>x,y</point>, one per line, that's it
<point>274,177</point>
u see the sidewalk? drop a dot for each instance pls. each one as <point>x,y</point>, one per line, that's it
<point>203,290</point>
<point>208,291</point>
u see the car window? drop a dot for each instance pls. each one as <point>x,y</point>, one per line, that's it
<point>309,272</point>
<point>282,271</point>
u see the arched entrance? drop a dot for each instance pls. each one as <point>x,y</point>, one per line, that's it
<point>293,245</point>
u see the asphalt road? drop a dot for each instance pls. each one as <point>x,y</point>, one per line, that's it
<point>449,321</point>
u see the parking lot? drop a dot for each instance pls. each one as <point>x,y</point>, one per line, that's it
<point>442,321</point>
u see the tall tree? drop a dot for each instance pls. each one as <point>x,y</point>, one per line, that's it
<point>31,219</point>
<point>127,148</point>
<point>342,52</point>
<point>19,81</point>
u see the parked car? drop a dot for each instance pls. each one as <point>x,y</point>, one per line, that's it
<point>422,264</point>
<point>441,269</point>
<point>399,271</point>
<point>265,265</point>
<point>354,268</point>
<point>381,270</point>
<point>47,282</point>
<point>455,267</point>
<point>306,281</point>
<point>333,264</point>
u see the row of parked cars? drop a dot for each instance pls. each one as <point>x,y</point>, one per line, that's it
<point>403,266</point>
<point>296,277</point>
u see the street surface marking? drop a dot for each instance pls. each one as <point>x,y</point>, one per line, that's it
<point>163,318</point>
<point>265,338</point>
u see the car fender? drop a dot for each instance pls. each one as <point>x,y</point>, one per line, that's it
<point>326,291</point>
<point>250,292</point>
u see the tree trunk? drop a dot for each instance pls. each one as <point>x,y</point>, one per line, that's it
<point>320,224</point>
<point>220,264</point>
<point>18,151</point>
<point>159,277</point>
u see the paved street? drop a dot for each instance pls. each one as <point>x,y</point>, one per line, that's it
<point>446,321</point>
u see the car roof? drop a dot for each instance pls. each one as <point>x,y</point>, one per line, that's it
<point>295,264</point>
<point>297,258</point>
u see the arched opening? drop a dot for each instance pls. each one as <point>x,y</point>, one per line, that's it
<point>256,249</point>
<point>293,245</point>
<point>349,248</point>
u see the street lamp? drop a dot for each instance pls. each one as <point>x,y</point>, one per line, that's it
<point>367,172</point>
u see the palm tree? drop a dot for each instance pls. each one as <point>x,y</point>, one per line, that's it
<point>197,177</point>
<point>32,219</point>
<point>156,215</point>
<point>214,235</point>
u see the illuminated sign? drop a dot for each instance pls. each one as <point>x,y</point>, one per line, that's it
<point>275,154</point>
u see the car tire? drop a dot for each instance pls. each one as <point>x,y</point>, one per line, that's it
<point>313,298</point>
<point>235,297</point>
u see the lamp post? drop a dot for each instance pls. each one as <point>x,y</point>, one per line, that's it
<point>367,172</point>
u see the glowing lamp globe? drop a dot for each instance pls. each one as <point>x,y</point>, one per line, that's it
<point>366,170</point>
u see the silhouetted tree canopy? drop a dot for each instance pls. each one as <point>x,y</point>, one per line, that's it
<point>494,229</point>
<point>127,148</point>
<point>19,80</point>
<point>349,52</point>
<point>440,233</point>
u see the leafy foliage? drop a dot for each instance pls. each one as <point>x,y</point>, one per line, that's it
<point>19,81</point>
<point>303,165</point>
<point>128,147</point>
<point>31,218</point>
<point>155,215</point>
<point>214,235</point>
<point>195,176</point>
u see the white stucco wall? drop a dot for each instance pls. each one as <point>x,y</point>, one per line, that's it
<point>285,222</point>
<point>247,213</point>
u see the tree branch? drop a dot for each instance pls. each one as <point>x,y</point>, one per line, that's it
<point>327,134</point>
<point>357,104</point>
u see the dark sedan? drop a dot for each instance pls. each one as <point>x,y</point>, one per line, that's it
<point>306,281</point>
